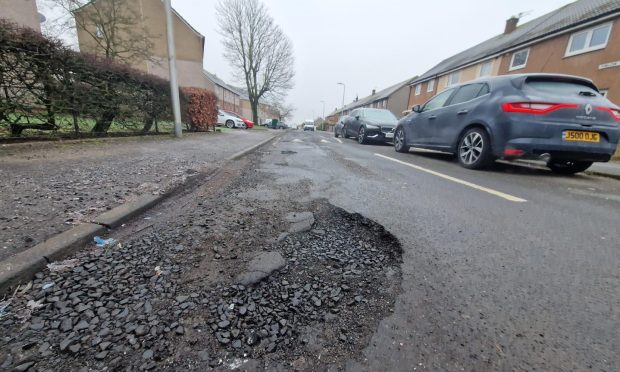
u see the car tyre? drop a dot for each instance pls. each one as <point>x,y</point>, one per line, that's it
<point>400,143</point>
<point>230,124</point>
<point>568,166</point>
<point>336,133</point>
<point>361,136</point>
<point>474,149</point>
<point>344,133</point>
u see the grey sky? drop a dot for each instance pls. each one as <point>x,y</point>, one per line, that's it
<point>365,44</point>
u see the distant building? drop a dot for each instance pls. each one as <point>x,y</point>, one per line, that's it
<point>189,43</point>
<point>581,38</point>
<point>394,98</point>
<point>22,12</point>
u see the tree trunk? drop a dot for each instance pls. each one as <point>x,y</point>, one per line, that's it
<point>76,126</point>
<point>254,112</point>
<point>104,122</point>
<point>148,124</point>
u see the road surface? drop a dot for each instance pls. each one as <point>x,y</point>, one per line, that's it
<point>513,268</point>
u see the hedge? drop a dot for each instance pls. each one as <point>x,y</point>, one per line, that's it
<point>44,85</point>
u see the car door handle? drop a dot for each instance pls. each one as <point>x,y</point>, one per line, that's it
<point>462,112</point>
<point>432,117</point>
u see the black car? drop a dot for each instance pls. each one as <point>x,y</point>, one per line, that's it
<point>338,129</point>
<point>370,124</point>
<point>559,118</point>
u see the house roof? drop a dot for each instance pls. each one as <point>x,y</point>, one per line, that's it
<point>216,80</point>
<point>558,21</point>
<point>378,96</point>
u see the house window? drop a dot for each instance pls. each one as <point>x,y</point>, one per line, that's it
<point>603,92</point>
<point>519,59</point>
<point>99,31</point>
<point>454,78</point>
<point>418,89</point>
<point>430,86</point>
<point>485,69</point>
<point>588,40</point>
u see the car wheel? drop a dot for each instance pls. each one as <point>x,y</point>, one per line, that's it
<point>230,124</point>
<point>474,150</point>
<point>336,133</point>
<point>568,166</point>
<point>344,133</point>
<point>361,136</point>
<point>400,145</point>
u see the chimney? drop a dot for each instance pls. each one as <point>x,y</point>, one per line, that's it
<point>356,98</point>
<point>511,24</point>
<point>374,91</point>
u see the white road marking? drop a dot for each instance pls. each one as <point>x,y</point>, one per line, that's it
<point>337,139</point>
<point>324,141</point>
<point>457,180</point>
<point>297,140</point>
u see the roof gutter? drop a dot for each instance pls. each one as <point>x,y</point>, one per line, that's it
<point>614,14</point>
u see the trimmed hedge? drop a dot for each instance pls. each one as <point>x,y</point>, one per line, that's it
<point>200,108</point>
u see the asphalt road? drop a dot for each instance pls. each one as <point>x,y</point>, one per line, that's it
<point>508,269</point>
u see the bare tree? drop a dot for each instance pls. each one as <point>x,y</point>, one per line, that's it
<point>260,52</point>
<point>285,110</point>
<point>114,27</point>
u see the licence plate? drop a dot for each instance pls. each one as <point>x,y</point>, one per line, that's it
<point>578,136</point>
<point>389,135</point>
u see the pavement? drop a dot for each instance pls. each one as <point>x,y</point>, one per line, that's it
<point>55,186</point>
<point>611,169</point>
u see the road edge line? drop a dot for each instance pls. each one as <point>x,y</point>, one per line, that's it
<point>472,185</point>
<point>250,149</point>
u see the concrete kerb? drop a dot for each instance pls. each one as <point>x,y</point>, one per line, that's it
<point>22,266</point>
<point>242,153</point>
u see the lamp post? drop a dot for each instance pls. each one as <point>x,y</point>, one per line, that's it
<point>323,102</point>
<point>172,65</point>
<point>344,89</point>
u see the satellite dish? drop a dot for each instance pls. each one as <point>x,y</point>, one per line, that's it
<point>42,18</point>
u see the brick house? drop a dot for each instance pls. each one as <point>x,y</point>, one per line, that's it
<point>394,98</point>
<point>189,43</point>
<point>581,38</point>
<point>22,12</point>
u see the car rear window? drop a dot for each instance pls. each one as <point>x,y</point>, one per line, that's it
<point>565,88</point>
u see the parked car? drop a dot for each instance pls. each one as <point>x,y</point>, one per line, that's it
<point>228,120</point>
<point>370,124</point>
<point>559,118</point>
<point>338,129</point>
<point>309,126</point>
<point>249,124</point>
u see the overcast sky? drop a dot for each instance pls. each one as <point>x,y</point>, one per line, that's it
<point>365,44</point>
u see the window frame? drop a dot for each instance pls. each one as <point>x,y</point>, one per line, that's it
<point>589,32</point>
<point>430,86</point>
<point>490,63</point>
<point>418,89</point>
<point>449,82</point>
<point>512,59</point>
<point>451,102</point>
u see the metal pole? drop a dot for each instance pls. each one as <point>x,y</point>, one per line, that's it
<point>344,89</point>
<point>172,64</point>
<point>323,102</point>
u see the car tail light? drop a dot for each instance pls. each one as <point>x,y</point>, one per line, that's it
<point>614,112</point>
<point>536,108</point>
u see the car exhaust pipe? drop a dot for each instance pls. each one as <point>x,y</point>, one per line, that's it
<point>545,157</point>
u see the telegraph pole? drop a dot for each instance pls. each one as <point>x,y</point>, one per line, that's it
<point>172,65</point>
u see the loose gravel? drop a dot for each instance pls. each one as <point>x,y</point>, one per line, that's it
<point>166,297</point>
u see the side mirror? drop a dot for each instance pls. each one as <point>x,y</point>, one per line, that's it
<point>416,108</point>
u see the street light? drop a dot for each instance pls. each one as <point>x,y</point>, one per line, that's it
<point>172,65</point>
<point>323,102</point>
<point>344,88</point>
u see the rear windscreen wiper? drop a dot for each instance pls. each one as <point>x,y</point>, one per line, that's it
<point>587,93</point>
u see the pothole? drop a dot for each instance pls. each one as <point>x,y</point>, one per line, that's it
<point>288,152</point>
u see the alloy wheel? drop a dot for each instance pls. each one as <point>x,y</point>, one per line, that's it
<point>399,140</point>
<point>471,148</point>
<point>361,137</point>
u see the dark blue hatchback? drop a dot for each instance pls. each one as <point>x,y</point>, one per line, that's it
<point>561,119</point>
